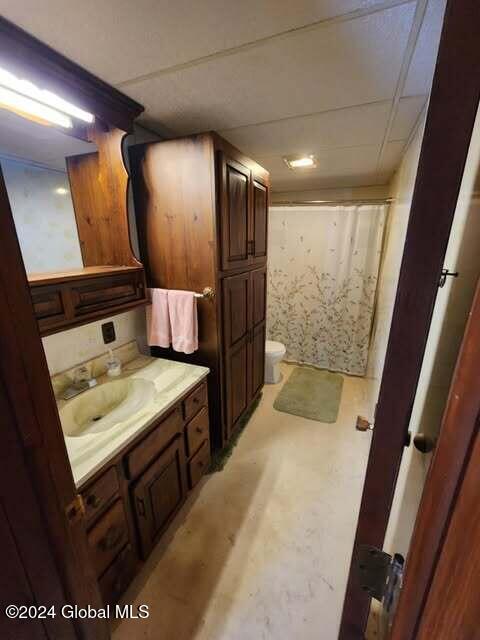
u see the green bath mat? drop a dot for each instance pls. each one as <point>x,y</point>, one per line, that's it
<point>311,393</point>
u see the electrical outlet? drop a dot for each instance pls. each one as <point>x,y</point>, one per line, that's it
<point>108,332</point>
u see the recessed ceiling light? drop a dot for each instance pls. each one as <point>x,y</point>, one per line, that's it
<point>61,191</point>
<point>300,162</point>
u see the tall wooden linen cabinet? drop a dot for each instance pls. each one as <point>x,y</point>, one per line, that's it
<point>202,217</point>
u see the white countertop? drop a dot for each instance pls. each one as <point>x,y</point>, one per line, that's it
<point>89,453</point>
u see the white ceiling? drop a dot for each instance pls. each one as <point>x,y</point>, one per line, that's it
<point>345,80</point>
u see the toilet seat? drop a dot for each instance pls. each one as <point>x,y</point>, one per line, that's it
<point>274,348</point>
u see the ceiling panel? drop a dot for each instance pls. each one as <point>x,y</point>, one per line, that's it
<point>339,182</point>
<point>392,156</point>
<point>332,164</point>
<point>422,66</point>
<point>334,66</point>
<point>354,126</point>
<point>120,39</point>
<point>408,112</point>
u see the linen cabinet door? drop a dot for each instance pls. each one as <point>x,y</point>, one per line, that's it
<point>259,222</point>
<point>258,303</point>
<point>236,331</point>
<point>159,493</point>
<point>234,213</point>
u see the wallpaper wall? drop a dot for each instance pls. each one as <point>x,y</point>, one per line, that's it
<point>44,218</point>
<point>323,269</point>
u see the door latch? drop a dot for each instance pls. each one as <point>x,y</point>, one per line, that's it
<point>445,274</point>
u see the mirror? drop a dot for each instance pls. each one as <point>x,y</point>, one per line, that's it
<point>32,159</point>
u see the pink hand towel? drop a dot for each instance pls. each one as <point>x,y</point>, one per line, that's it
<point>158,322</point>
<point>182,309</point>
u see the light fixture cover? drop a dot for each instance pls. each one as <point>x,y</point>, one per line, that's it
<point>24,97</point>
<point>300,162</point>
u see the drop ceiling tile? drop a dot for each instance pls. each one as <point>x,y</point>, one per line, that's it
<point>118,40</point>
<point>422,66</point>
<point>332,164</point>
<point>406,118</point>
<point>392,156</point>
<point>353,126</point>
<point>333,66</point>
<point>344,181</point>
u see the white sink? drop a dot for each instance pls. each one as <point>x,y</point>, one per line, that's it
<point>104,407</point>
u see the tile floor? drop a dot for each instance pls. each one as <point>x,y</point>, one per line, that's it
<point>262,549</point>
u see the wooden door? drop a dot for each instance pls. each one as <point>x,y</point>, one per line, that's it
<point>454,99</point>
<point>258,222</point>
<point>236,332</point>
<point>234,213</point>
<point>39,513</point>
<point>159,493</point>
<point>258,302</point>
<point>440,595</point>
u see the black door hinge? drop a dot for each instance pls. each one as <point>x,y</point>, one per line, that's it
<point>379,574</point>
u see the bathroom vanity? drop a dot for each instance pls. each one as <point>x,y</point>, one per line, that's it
<point>137,445</point>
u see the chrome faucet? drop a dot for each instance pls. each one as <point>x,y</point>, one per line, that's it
<point>81,382</point>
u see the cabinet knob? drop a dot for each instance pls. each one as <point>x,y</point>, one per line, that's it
<point>199,430</point>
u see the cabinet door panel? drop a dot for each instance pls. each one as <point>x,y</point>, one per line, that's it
<point>258,283</point>
<point>259,225</point>
<point>235,188</point>
<point>159,493</point>
<point>236,320</point>
<point>238,383</point>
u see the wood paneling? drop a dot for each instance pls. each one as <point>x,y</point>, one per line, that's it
<point>98,184</point>
<point>454,99</point>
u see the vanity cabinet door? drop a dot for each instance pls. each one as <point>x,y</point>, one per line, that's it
<point>235,214</point>
<point>159,493</point>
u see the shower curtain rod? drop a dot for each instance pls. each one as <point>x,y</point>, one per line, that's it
<point>294,203</point>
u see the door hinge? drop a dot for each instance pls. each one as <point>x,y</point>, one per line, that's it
<point>75,510</point>
<point>379,573</point>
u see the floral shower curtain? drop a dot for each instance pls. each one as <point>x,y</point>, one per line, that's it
<point>323,269</point>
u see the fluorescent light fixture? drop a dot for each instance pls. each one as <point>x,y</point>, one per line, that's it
<point>33,110</point>
<point>43,98</point>
<point>301,162</point>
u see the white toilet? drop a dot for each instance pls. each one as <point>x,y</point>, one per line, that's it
<point>274,354</point>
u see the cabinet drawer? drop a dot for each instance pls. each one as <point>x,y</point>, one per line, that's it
<point>48,306</point>
<point>195,401</point>
<point>99,493</point>
<point>108,536</point>
<point>118,576</point>
<point>96,294</point>
<point>198,465</point>
<point>156,440</point>
<point>197,431</point>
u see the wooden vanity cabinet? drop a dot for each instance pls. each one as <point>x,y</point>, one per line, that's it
<point>202,219</point>
<point>130,502</point>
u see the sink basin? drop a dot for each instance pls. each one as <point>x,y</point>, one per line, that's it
<point>106,406</point>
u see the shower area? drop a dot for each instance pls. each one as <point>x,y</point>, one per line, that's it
<point>324,264</point>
